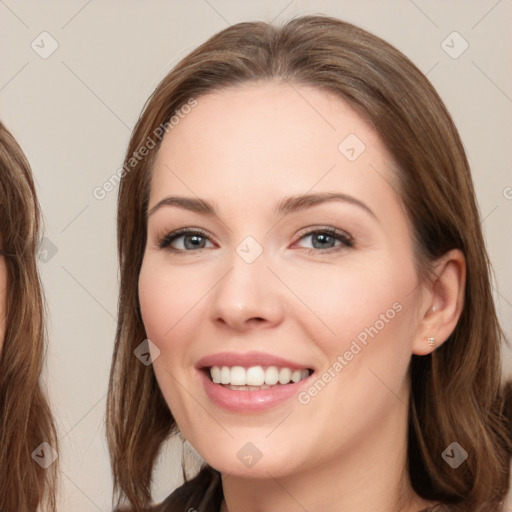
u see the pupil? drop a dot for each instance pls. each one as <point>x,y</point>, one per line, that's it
<point>324,239</point>
<point>195,241</point>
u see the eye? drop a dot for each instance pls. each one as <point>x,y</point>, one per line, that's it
<point>186,240</point>
<point>323,240</point>
<point>327,240</point>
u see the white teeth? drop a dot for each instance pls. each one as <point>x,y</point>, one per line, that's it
<point>215,373</point>
<point>271,375</point>
<point>238,376</point>
<point>285,375</point>
<point>296,375</point>
<point>225,375</point>
<point>255,377</point>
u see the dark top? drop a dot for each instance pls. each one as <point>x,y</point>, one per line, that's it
<point>208,484</point>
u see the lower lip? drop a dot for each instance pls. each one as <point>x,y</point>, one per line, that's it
<point>250,401</point>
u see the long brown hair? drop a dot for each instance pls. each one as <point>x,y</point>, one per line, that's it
<point>456,392</point>
<point>25,416</point>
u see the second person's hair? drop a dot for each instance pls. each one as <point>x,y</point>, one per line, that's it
<point>26,420</point>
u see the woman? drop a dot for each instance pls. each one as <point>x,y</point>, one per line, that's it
<point>28,446</point>
<point>302,261</point>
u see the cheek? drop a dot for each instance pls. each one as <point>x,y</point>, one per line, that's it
<point>172,302</point>
<point>341,302</point>
<point>165,299</point>
<point>363,324</point>
<point>168,302</point>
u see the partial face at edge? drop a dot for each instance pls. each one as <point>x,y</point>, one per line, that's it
<point>306,298</point>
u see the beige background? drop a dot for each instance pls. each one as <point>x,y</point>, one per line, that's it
<point>73,112</point>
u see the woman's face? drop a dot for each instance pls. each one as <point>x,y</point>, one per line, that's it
<point>277,281</point>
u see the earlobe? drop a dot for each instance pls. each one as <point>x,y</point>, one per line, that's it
<point>445,292</point>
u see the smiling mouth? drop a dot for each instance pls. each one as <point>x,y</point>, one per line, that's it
<point>255,378</point>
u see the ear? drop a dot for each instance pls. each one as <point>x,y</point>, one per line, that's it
<point>443,302</point>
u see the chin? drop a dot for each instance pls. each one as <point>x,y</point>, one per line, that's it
<point>243,458</point>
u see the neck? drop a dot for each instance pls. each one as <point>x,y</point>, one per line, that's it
<point>369,476</point>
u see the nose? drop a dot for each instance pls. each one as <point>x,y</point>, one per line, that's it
<point>248,296</point>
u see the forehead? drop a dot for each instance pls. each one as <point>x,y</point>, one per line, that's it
<point>272,139</point>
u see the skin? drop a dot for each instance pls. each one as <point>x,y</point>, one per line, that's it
<point>245,149</point>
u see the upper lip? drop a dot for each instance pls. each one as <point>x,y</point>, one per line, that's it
<point>247,360</point>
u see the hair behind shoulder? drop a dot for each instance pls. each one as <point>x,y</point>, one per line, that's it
<point>456,392</point>
<point>25,417</point>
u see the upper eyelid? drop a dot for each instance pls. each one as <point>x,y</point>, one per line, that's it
<point>323,229</point>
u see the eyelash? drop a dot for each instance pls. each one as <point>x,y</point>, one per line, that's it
<point>346,240</point>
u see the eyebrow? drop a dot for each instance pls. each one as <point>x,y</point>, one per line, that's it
<point>284,207</point>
